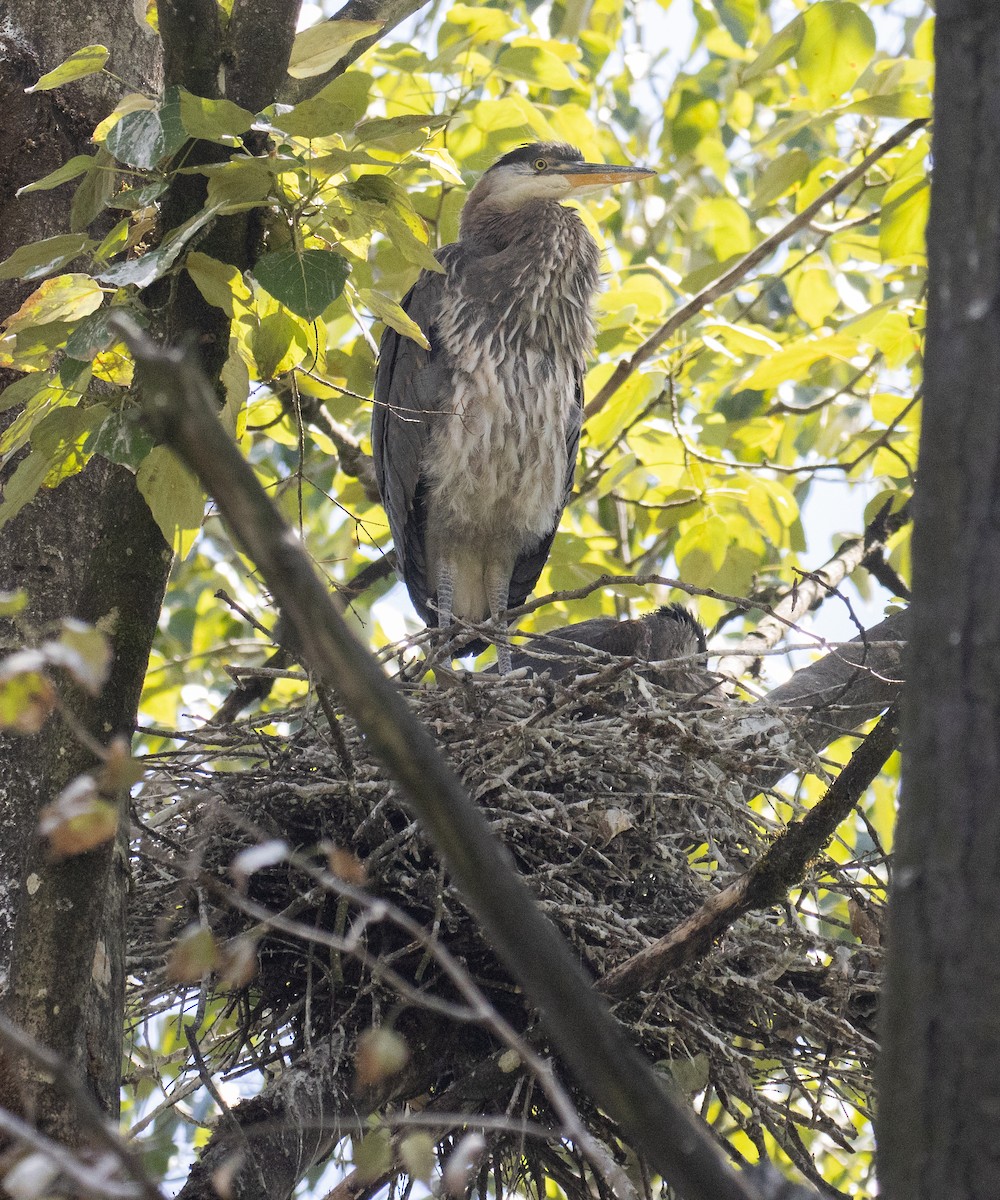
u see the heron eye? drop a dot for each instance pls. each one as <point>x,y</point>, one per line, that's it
<point>540,164</point>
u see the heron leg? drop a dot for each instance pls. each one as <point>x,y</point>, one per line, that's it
<point>498,585</point>
<point>445,593</point>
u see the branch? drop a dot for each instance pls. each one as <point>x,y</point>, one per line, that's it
<point>768,880</point>
<point>353,460</point>
<point>389,12</point>
<point>813,588</point>
<point>846,687</point>
<point>179,405</point>
<point>727,281</point>
<point>91,1117</point>
<point>258,42</point>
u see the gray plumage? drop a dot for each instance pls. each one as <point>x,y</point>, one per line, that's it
<point>475,439</point>
<point>659,638</point>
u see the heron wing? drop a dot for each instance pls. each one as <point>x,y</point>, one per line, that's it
<point>529,566</point>
<point>410,385</point>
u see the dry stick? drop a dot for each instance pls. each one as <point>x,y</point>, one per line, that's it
<point>816,586</point>
<point>180,406</point>
<point>725,283</point>
<point>768,881</point>
<point>92,1118</point>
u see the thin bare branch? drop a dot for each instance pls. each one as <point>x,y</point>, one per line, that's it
<point>727,281</point>
<point>769,880</point>
<point>812,589</point>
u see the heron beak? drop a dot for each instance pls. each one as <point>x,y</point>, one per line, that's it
<point>601,174</point>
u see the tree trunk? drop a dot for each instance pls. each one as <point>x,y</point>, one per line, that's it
<point>89,549</point>
<point>940,1073</point>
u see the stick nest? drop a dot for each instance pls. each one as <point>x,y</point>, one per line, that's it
<point>625,806</point>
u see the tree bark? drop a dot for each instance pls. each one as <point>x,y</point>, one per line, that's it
<point>940,1072</point>
<point>89,549</point>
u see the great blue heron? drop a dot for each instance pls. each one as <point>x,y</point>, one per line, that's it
<point>475,439</point>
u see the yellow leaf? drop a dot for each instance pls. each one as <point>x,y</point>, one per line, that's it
<point>794,361</point>
<point>813,295</point>
<point>26,699</point>
<point>64,298</point>
<point>392,314</point>
<point>319,47</point>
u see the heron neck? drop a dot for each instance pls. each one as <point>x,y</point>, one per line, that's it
<point>493,228</point>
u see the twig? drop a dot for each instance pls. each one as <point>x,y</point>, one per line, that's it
<point>90,1179</point>
<point>814,587</point>
<point>91,1116</point>
<point>726,282</point>
<point>768,881</point>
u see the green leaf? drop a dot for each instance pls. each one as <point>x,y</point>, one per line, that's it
<point>380,129</point>
<point>115,240</point>
<point>174,497</point>
<point>405,240</point>
<point>780,176</point>
<point>23,485</point>
<point>272,342</point>
<point>79,164</point>
<point>212,120</point>
<point>480,23</point>
<point>239,181</point>
<point>94,191</point>
<point>795,361</point>
<point>38,259</point>
<point>321,46</point>
<point>373,1155</point>
<point>416,1150</point>
<point>343,99</point>
<point>536,65</point>
<point>304,281</point>
<point>739,17</point>
<point>836,46</point>
<point>92,335</point>
<point>393,315</point>
<point>904,220</point>
<point>18,393</point>
<point>87,61</point>
<point>813,294</point>
<point>904,105</point>
<point>134,198</point>
<point>780,47</point>
<point>55,442</point>
<point>142,271</point>
<point>121,437</point>
<point>725,226</point>
<point>315,117</point>
<point>144,138</point>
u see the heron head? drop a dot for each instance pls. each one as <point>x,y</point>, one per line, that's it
<point>545,171</point>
